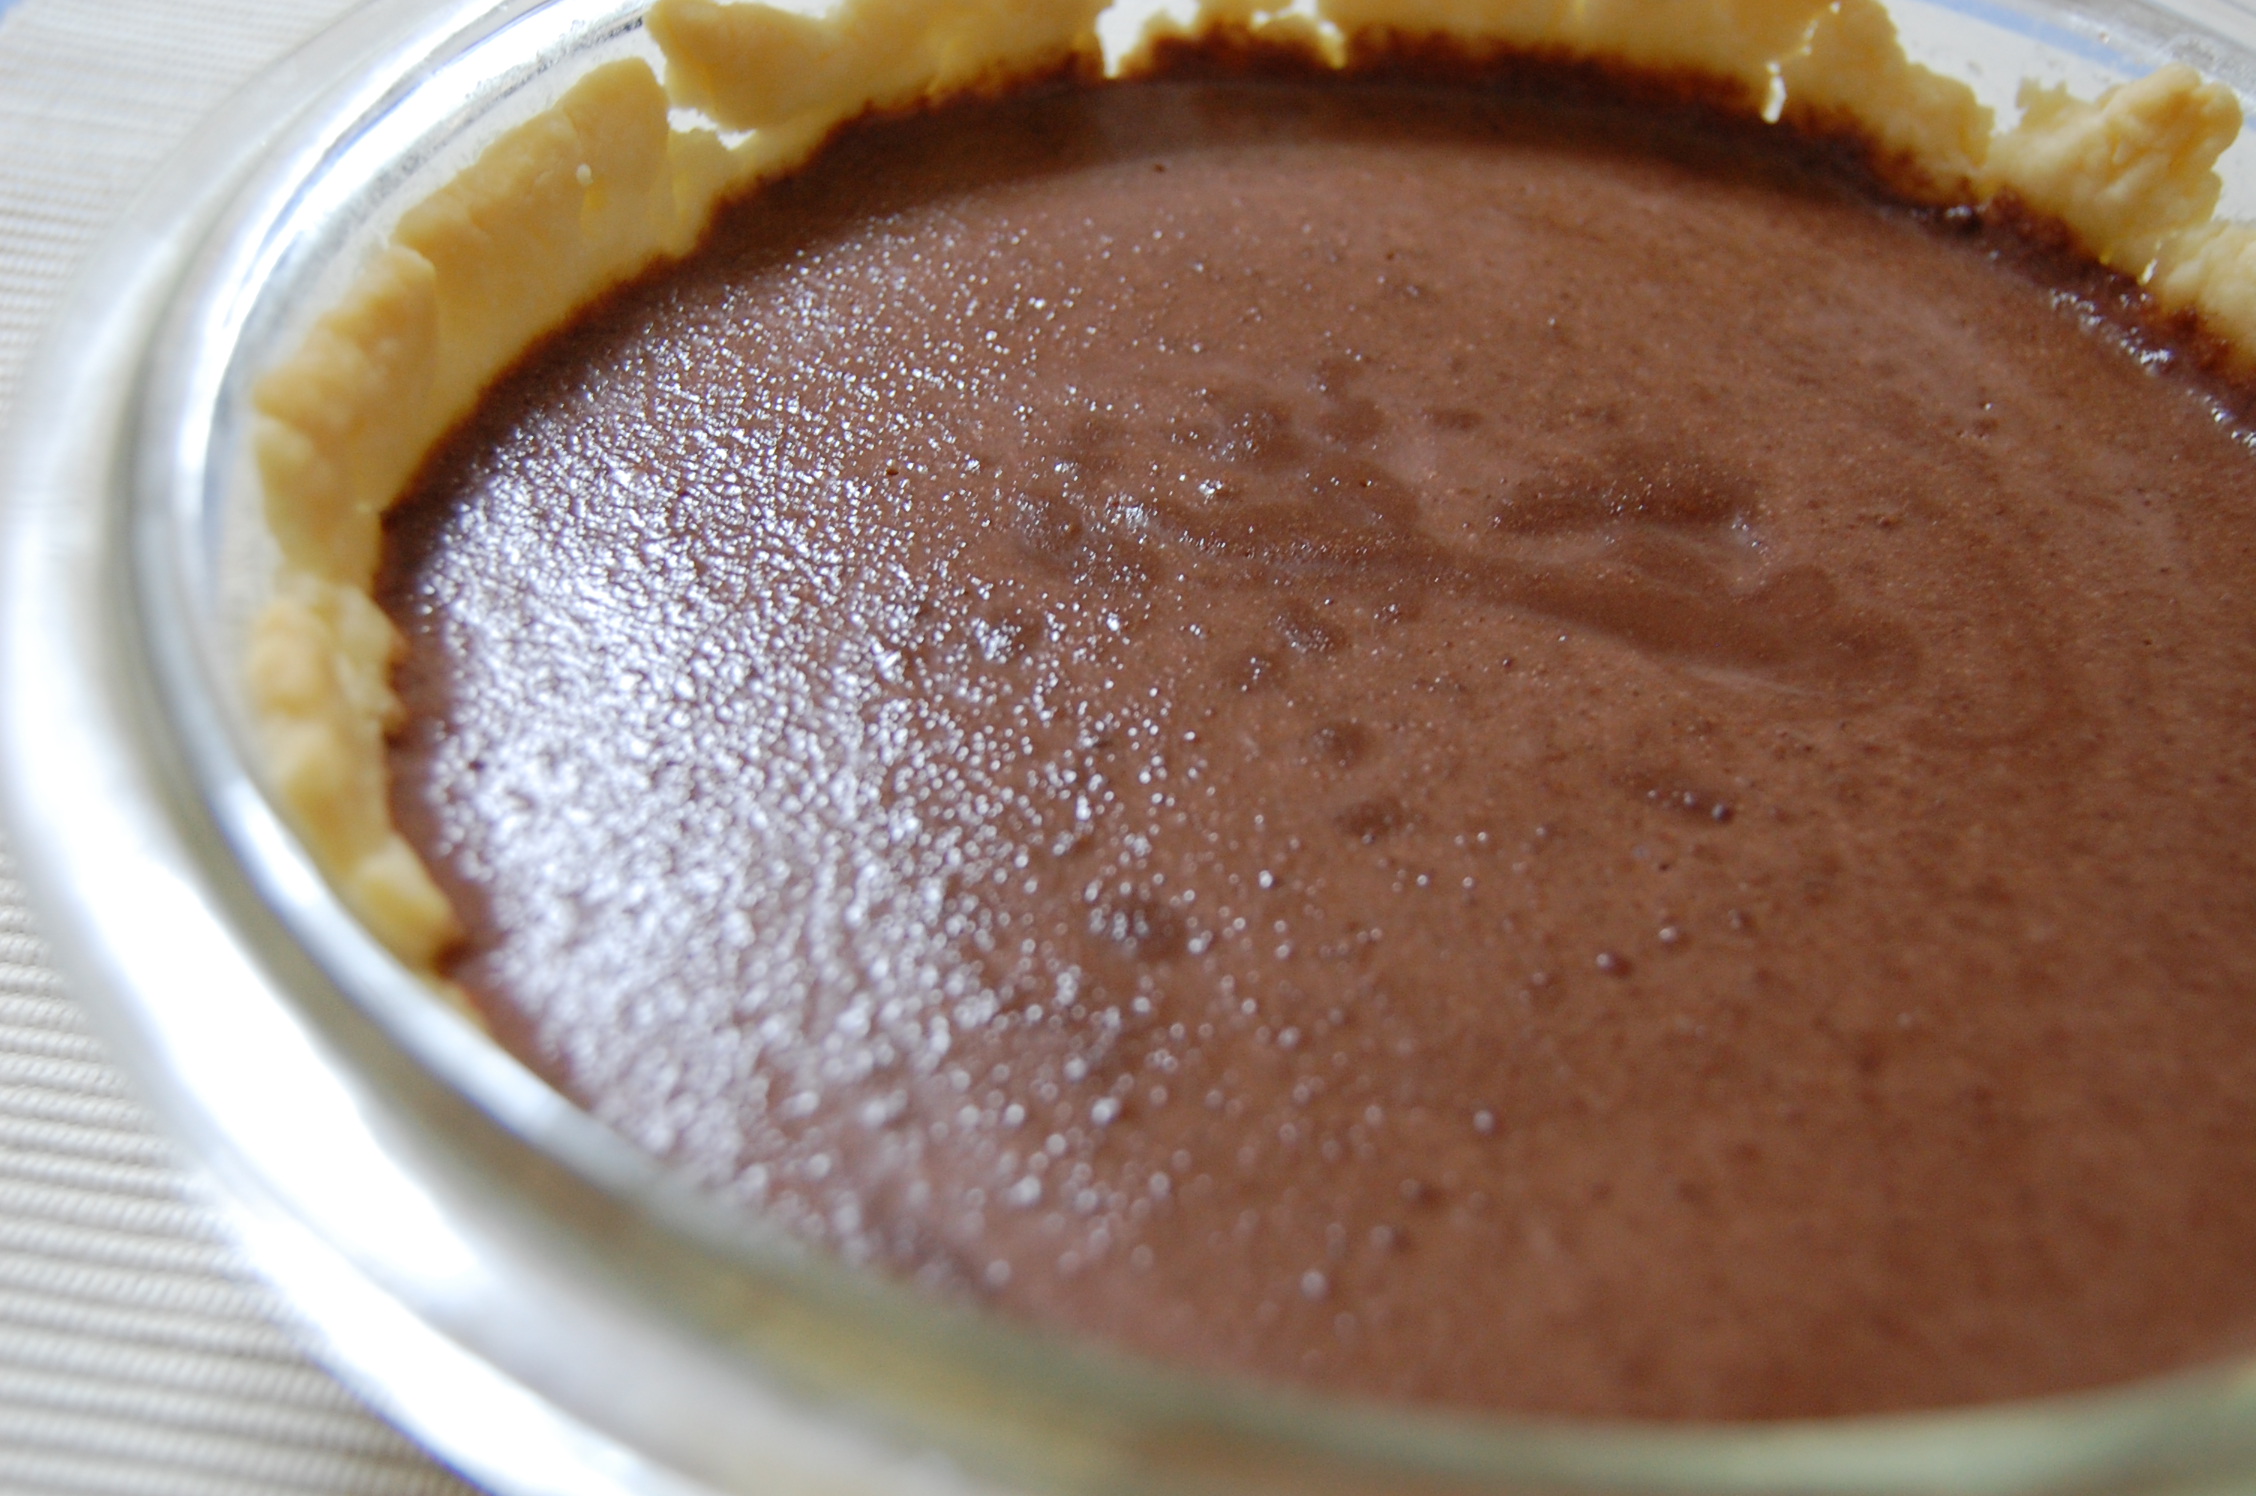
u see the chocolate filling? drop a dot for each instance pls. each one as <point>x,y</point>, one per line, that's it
<point>1454,744</point>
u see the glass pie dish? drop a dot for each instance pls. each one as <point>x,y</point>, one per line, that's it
<point>528,1293</point>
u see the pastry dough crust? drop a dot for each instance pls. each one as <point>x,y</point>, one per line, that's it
<point>603,185</point>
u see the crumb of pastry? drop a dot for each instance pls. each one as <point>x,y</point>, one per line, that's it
<point>2209,270</point>
<point>1736,40</point>
<point>754,66</point>
<point>2123,171</point>
<point>1932,135</point>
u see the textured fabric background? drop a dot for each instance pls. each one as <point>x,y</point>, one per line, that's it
<point>136,1353</point>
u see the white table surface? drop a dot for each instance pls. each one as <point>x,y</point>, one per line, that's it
<point>137,1354</point>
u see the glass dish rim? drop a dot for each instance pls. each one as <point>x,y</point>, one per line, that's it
<point>180,391</point>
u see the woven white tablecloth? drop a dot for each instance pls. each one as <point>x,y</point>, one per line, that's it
<point>137,1354</point>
